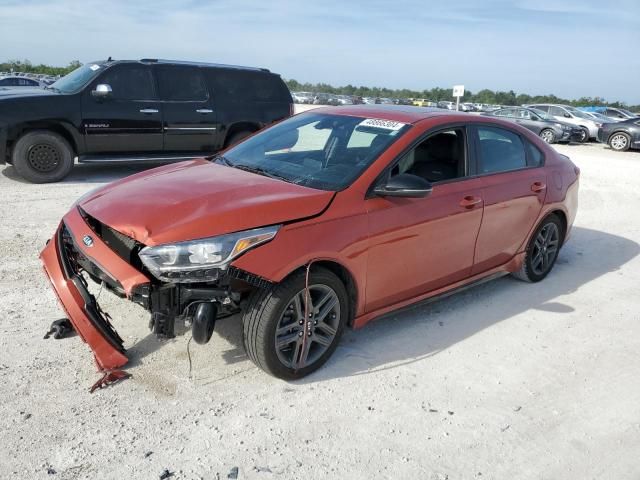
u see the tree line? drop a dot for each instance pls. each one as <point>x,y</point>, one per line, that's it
<point>436,94</point>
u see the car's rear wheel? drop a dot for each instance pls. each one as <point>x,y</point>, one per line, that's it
<point>288,339</point>
<point>42,157</point>
<point>620,141</point>
<point>584,137</point>
<point>548,136</point>
<point>542,250</point>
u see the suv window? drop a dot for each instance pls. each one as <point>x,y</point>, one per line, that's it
<point>247,86</point>
<point>438,158</point>
<point>129,82</point>
<point>500,150</point>
<point>181,84</point>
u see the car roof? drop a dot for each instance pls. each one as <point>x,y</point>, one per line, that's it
<point>182,62</point>
<point>398,113</point>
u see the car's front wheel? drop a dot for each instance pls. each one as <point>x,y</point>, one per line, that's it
<point>620,141</point>
<point>548,136</point>
<point>542,250</point>
<point>289,333</point>
<point>42,157</point>
<point>584,137</point>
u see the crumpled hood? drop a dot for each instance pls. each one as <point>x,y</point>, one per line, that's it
<point>198,199</point>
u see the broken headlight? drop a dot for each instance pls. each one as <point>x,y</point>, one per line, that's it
<point>201,260</point>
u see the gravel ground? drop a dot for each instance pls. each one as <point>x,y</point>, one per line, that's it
<point>506,380</point>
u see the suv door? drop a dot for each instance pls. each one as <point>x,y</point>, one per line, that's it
<point>418,245</point>
<point>129,119</point>
<point>513,189</point>
<point>189,118</point>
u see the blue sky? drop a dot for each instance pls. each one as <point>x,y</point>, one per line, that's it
<point>572,48</point>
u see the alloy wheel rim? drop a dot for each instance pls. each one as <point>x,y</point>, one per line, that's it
<point>43,158</point>
<point>545,248</point>
<point>301,341</point>
<point>618,142</point>
<point>547,136</point>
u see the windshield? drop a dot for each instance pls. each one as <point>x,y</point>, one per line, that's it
<point>627,112</point>
<point>578,113</point>
<point>322,151</point>
<point>77,79</point>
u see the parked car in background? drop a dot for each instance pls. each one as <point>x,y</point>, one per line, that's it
<point>600,118</point>
<point>547,128</point>
<point>385,101</point>
<point>14,81</point>
<point>135,111</point>
<point>423,102</point>
<point>344,99</point>
<point>370,100</point>
<point>568,114</point>
<point>326,99</point>
<point>621,136</point>
<point>301,255</point>
<point>302,97</point>
<point>446,105</point>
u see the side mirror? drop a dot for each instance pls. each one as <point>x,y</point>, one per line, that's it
<point>404,185</point>
<point>102,91</point>
<point>567,115</point>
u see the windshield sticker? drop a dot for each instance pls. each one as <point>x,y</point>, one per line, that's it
<point>94,67</point>
<point>390,125</point>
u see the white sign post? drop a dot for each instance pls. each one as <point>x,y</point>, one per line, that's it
<point>458,91</point>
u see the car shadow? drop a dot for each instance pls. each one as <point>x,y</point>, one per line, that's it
<point>85,173</point>
<point>425,330</point>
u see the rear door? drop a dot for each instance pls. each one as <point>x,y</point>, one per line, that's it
<point>189,116</point>
<point>130,119</point>
<point>513,189</point>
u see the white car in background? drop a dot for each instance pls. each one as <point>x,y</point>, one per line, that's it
<point>568,114</point>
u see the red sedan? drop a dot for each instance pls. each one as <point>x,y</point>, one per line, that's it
<point>324,221</point>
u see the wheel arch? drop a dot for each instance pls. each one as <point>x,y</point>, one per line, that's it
<point>344,274</point>
<point>61,129</point>
<point>240,127</point>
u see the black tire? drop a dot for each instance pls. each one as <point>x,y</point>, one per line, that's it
<point>620,141</point>
<point>265,310</point>
<point>42,156</point>
<point>548,135</point>
<point>237,137</point>
<point>531,270</point>
<point>585,135</point>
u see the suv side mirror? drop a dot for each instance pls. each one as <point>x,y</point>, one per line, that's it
<point>102,91</point>
<point>404,185</point>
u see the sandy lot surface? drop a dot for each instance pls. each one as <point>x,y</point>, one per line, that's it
<point>504,381</point>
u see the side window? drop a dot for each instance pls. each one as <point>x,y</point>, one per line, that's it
<point>556,111</point>
<point>233,86</point>
<point>439,157</point>
<point>181,84</point>
<point>536,157</point>
<point>544,108</point>
<point>129,82</point>
<point>500,150</point>
<point>522,113</point>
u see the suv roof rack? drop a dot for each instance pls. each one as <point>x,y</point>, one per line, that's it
<point>202,64</point>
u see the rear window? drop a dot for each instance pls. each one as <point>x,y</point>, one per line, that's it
<point>247,86</point>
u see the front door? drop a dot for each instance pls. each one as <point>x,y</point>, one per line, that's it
<point>189,115</point>
<point>418,245</point>
<point>129,120</point>
<point>513,189</point>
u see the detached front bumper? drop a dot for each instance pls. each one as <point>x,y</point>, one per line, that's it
<point>83,311</point>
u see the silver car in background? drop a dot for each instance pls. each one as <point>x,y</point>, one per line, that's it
<point>569,114</point>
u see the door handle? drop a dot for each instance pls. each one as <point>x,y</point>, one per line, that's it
<point>204,110</point>
<point>538,186</point>
<point>470,201</point>
<point>148,110</point>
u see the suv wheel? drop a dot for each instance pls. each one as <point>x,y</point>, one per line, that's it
<point>278,336</point>
<point>542,251</point>
<point>620,141</point>
<point>42,157</point>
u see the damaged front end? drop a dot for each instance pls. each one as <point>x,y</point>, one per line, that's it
<point>208,288</point>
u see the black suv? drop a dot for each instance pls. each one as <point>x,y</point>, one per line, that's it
<point>132,111</point>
